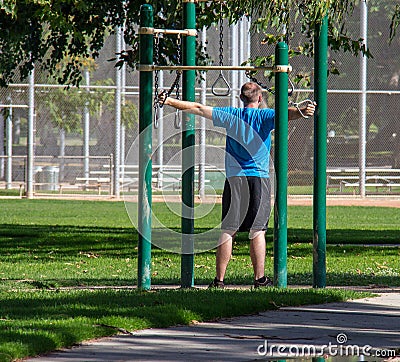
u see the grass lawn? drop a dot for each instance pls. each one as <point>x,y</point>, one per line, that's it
<point>75,243</point>
<point>46,245</point>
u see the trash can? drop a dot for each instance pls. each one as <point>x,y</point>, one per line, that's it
<point>49,178</point>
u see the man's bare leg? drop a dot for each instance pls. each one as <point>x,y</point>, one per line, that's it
<point>224,253</point>
<point>257,252</point>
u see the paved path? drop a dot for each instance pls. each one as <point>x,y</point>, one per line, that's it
<point>371,325</point>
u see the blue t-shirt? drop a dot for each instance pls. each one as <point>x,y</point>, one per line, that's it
<point>248,139</point>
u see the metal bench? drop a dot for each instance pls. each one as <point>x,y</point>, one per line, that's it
<point>340,181</point>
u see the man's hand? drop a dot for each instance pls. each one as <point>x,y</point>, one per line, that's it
<point>303,109</point>
<point>162,98</point>
<point>309,109</point>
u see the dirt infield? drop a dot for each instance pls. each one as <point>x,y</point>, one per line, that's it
<point>381,201</point>
<point>349,201</point>
<point>300,200</point>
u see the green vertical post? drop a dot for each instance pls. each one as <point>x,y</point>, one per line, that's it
<point>320,138</point>
<point>281,167</point>
<point>145,150</point>
<point>188,148</point>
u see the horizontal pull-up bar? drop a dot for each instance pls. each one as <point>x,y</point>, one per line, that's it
<point>150,31</point>
<point>274,69</point>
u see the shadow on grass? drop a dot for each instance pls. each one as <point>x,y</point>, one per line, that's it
<point>340,236</point>
<point>69,240</point>
<point>32,233</point>
<point>34,243</point>
<point>154,306</point>
<point>306,279</point>
<point>344,279</point>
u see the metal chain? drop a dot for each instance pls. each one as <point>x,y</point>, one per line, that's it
<point>221,38</point>
<point>156,102</point>
<point>178,73</point>
<point>221,79</point>
<point>175,86</point>
<point>177,80</point>
<point>178,119</point>
<point>265,86</point>
<point>262,85</point>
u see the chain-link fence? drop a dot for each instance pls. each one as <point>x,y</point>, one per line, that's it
<point>74,129</point>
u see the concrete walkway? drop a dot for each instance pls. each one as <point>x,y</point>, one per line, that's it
<point>369,326</point>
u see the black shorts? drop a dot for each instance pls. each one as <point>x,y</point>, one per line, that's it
<point>246,203</point>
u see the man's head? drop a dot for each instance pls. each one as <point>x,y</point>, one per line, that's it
<point>250,93</point>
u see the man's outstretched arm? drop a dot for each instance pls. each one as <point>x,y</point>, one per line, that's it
<point>195,108</point>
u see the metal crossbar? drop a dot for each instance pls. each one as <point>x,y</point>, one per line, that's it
<point>274,69</point>
<point>150,31</point>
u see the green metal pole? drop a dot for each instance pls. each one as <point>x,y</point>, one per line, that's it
<point>188,147</point>
<point>281,168</point>
<point>320,138</point>
<point>145,150</point>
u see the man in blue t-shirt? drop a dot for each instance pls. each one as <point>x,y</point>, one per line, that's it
<point>246,199</point>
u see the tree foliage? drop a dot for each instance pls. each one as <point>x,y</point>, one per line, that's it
<point>46,32</point>
<point>66,106</point>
